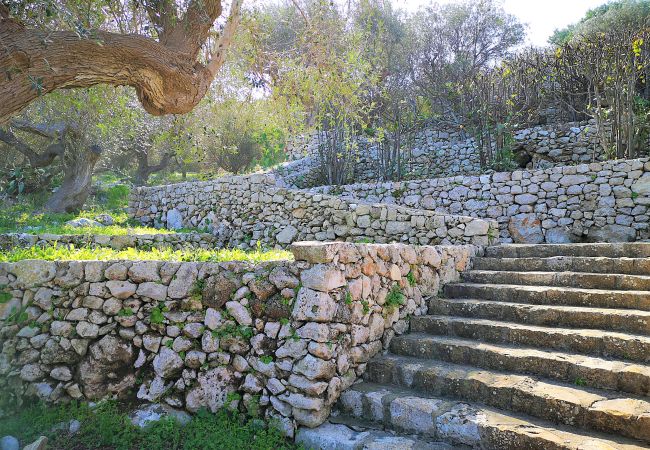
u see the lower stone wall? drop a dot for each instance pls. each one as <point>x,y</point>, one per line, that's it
<point>279,339</point>
<point>606,201</point>
<point>245,211</point>
<point>175,241</point>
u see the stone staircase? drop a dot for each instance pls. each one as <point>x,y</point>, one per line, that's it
<point>538,347</point>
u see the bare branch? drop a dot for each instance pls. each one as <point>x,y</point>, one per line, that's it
<point>219,52</point>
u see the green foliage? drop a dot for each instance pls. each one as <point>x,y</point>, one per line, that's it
<point>64,253</point>
<point>580,382</point>
<point>115,197</point>
<point>395,298</point>
<point>5,294</point>
<point>125,312</point>
<point>410,277</point>
<point>266,359</point>
<point>25,217</point>
<point>196,292</point>
<point>233,330</point>
<point>108,426</point>
<point>18,315</point>
<point>156,317</point>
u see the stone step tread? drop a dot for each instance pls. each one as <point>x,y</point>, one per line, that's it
<point>551,295</point>
<point>608,343</point>
<point>619,319</point>
<point>588,408</point>
<point>468,423</point>
<point>637,249</point>
<point>634,266</point>
<point>543,289</point>
<point>569,367</point>
<point>332,435</point>
<point>583,280</point>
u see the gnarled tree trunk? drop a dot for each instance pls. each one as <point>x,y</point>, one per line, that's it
<point>166,74</point>
<point>144,170</point>
<point>77,181</point>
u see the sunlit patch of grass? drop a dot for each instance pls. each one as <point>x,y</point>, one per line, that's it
<point>108,426</point>
<point>69,253</point>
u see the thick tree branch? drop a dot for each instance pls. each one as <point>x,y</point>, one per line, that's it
<point>167,77</point>
<point>35,159</point>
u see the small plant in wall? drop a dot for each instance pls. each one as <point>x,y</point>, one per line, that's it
<point>395,298</point>
<point>197,289</point>
<point>410,277</point>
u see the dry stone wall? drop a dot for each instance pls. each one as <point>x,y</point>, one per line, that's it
<point>282,339</point>
<point>445,153</point>
<point>605,201</point>
<point>245,211</point>
<point>175,241</point>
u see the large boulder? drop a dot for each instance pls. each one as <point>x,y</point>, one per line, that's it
<point>219,289</point>
<point>212,391</point>
<point>174,219</point>
<point>559,235</point>
<point>83,222</point>
<point>108,368</point>
<point>526,229</point>
<point>611,233</point>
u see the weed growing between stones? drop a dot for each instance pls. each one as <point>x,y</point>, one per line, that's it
<point>64,253</point>
<point>395,298</point>
<point>109,426</point>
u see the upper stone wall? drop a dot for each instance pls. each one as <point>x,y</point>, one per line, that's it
<point>445,153</point>
<point>605,201</point>
<point>251,209</point>
<point>280,339</point>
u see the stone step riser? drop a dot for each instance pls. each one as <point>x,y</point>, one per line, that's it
<point>627,321</point>
<point>578,341</point>
<point>462,424</point>
<point>630,266</point>
<point>619,250</point>
<point>567,279</point>
<point>625,379</point>
<point>571,411</point>
<point>551,296</point>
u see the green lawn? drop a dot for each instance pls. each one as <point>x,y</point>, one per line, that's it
<point>64,253</point>
<point>26,216</point>
<point>107,426</point>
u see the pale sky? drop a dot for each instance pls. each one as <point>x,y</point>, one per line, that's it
<point>542,16</point>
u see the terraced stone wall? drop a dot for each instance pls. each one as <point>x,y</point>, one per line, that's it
<point>176,241</point>
<point>248,210</point>
<point>279,339</point>
<point>444,153</point>
<point>605,201</point>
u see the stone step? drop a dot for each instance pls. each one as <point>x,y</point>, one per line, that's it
<point>582,280</point>
<point>568,367</point>
<point>589,409</point>
<point>625,320</point>
<point>463,423</point>
<point>335,436</point>
<point>607,344</point>
<point>631,266</point>
<point>551,295</point>
<point>613,250</point>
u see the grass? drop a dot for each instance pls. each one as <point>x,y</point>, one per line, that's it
<point>24,216</point>
<point>107,426</point>
<point>65,253</point>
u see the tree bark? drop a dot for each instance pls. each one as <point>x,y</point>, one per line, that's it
<point>144,170</point>
<point>77,181</point>
<point>166,75</point>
